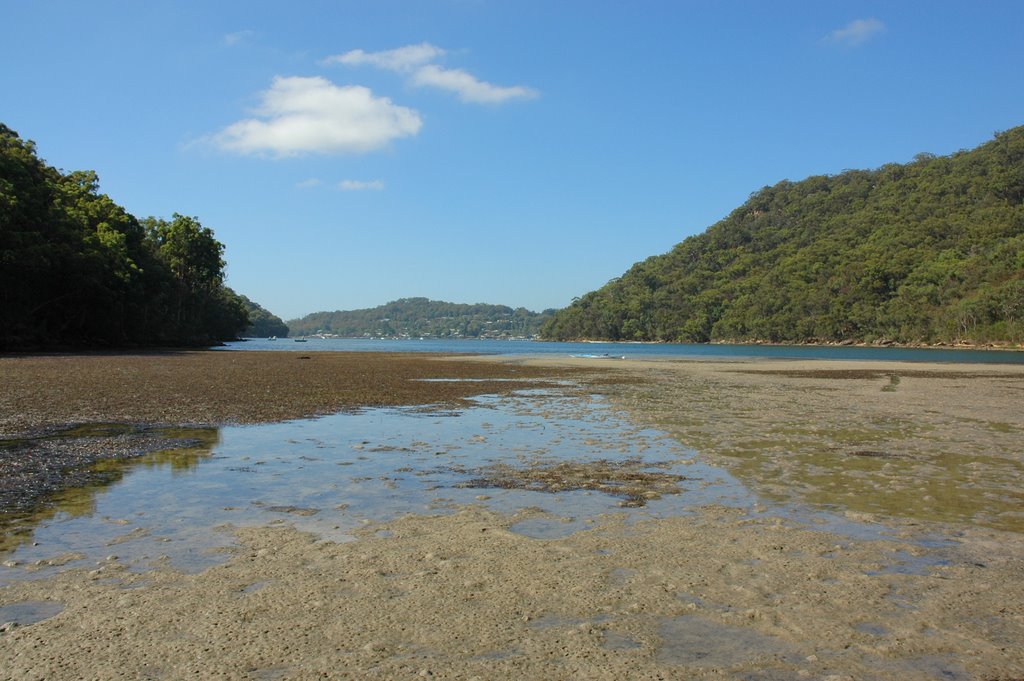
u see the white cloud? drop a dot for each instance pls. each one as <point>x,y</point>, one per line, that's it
<point>237,37</point>
<point>416,60</point>
<point>855,32</point>
<point>301,115</point>
<point>400,59</point>
<point>360,185</point>
<point>467,87</point>
<point>311,182</point>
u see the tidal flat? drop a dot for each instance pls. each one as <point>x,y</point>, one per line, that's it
<point>521,518</point>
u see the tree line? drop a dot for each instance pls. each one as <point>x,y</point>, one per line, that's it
<point>928,251</point>
<point>424,317</point>
<point>77,270</point>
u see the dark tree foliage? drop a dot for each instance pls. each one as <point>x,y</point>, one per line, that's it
<point>262,323</point>
<point>424,317</point>
<point>930,251</point>
<point>77,270</point>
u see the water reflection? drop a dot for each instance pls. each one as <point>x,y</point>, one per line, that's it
<point>179,450</point>
<point>333,475</point>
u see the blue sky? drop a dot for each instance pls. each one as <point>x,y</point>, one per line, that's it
<point>519,152</point>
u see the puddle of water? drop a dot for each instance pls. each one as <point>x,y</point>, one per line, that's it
<point>695,641</point>
<point>254,587</point>
<point>903,563</point>
<point>614,640</point>
<point>939,667</point>
<point>556,622</point>
<point>27,613</point>
<point>188,447</point>
<point>552,528</point>
<point>333,475</point>
<point>488,380</point>
<point>872,629</point>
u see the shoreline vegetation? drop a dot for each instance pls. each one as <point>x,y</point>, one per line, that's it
<point>79,270</point>
<point>813,342</point>
<point>930,250</point>
<point>810,342</point>
<point>908,453</point>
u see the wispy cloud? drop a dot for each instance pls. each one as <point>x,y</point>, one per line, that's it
<point>400,59</point>
<point>360,185</point>
<point>856,32</point>
<point>311,182</point>
<point>300,115</point>
<point>467,87</point>
<point>417,61</point>
<point>232,39</point>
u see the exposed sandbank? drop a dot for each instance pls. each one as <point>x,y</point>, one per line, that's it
<point>722,594</point>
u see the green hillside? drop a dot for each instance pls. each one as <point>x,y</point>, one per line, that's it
<point>929,251</point>
<point>262,322</point>
<point>416,317</point>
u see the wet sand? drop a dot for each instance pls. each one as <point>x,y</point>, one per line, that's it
<point>139,392</point>
<point>913,588</point>
<point>934,442</point>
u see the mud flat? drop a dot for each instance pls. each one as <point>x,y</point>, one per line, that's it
<point>205,388</point>
<point>62,414</point>
<point>922,442</point>
<point>843,570</point>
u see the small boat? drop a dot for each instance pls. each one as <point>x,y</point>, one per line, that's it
<point>604,356</point>
<point>300,340</point>
<point>272,338</point>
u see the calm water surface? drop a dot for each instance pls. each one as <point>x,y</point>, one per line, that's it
<point>335,474</point>
<point>632,350</point>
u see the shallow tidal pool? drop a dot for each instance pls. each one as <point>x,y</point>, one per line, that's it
<point>334,474</point>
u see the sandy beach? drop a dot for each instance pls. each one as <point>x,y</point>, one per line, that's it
<point>907,563</point>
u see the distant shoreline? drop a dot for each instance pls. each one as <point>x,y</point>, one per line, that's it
<point>960,345</point>
<point>882,343</point>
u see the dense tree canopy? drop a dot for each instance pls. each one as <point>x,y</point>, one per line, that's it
<point>262,323</point>
<point>77,269</point>
<point>424,317</point>
<point>928,251</point>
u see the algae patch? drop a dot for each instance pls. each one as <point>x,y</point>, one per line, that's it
<point>629,479</point>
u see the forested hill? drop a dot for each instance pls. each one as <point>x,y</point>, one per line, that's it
<point>262,322</point>
<point>78,270</point>
<point>416,317</point>
<point>929,251</point>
